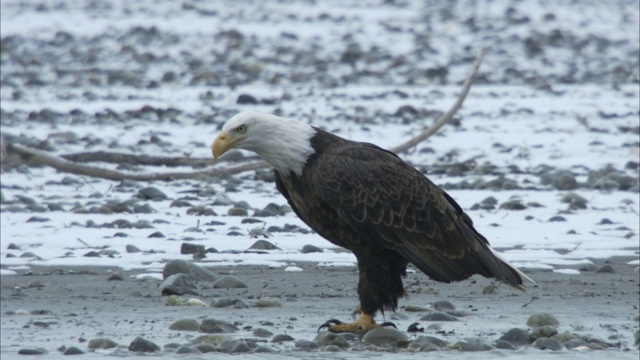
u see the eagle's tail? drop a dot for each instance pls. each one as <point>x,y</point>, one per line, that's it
<point>522,275</point>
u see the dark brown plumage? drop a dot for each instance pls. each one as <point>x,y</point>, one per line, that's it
<point>368,200</point>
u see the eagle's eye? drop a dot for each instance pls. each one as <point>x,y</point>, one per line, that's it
<point>241,129</point>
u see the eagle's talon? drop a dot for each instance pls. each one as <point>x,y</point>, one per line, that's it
<point>327,325</point>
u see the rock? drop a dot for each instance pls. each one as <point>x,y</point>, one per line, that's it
<point>280,338</point>
<point>424,341</point>
<point>264,349</point>
<point>38,219</point>
<point>151,193</point>
<point>384,336</point>
<point>228,302</point>
<point>606,269</point>
<point>178,284</point>
<point>115,277</point>
<point>516,336</point>
<point>541,319</point>
<point>188,248</point>
<point>473,345</point>
<point>185,325</point>
<point>188,350</point>
<point>260,332</point>
<point>443,305</point>
<point>229,282</point>
<point>237,211</point>
<point>213,326</point>
<point>32,351</point>
<point>132,249</point>
<point>504,345</point>
<point>515,204</point>
<point>140,344</point>
<point>542,331</point>
<point>101,343</point>
<point>197,272</point>
<point>266,302</point>
<point>547,344</point>
<point>201,210</point>
<point>438,316</point>
<point>206,348</point>
<point>156,234</point>
<point>263,245</point>
<point>271,210</point>
<point>72,350</point>
<point>307,249</point>
<point>306,345</point>
<point>575,201</point>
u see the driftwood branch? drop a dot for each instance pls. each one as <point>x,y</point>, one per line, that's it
<point>60,164</point>
<point>69,163</point>
<point>124,158</point>
<point>446,117</point>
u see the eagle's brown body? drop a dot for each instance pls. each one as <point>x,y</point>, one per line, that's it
<point>368,200</point>
<point>388,214</point>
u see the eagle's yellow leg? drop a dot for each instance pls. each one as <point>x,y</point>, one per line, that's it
<point>363,323</point>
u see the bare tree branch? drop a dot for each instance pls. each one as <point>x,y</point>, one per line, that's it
<point>134,159</point>
<point>446,117</point>
<point>60,164</point>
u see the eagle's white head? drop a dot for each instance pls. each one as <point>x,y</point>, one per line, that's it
<point>283,143</point>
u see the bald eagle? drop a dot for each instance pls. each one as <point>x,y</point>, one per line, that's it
<point>366,199</point>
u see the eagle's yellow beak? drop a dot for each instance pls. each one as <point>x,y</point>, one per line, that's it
<point>221,145</point>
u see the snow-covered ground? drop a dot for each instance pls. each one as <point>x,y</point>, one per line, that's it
<point>544,99</point>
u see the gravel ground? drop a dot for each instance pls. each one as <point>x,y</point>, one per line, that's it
<point>595,313</point>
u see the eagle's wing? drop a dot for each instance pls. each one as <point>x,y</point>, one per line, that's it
<point>391,204</point>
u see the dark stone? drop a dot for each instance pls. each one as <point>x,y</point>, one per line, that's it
<point>384,336</point>
<point>213,326</point>
<point>72,350</point>
<point>516,336</point>
<point>188,248</point>
<point>606,269</point>
<point>263,245</point>
<point>541,319</point>
<point>229,282</point>
<point>178,284</point>
<point>438,316</point>
<point>547,344</point>
<point>197,272</point>
<point>151,193</point>
<point>140,344</point>
<point>280,338</point>
<point>310,249</point>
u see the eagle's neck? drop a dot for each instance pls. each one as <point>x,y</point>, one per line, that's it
<point>289,148</point>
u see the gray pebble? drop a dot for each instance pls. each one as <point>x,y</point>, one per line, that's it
<point>196,271</point>
<point>237,211</point>
<point>574,343</point>
<point>38,219</point>
<point>188,350</point>
<point>263,245</point>
<point>132,249</point>
<point>185,325</point>
<point>516,336</point>
<point>261,332</point>
<point>267,302</point>
<point>201,210</point>
<point>236,346</point>
<point>515,204</point>
<point>156,234</point>
<point>541,319</point>
<point>547,344</point>
<point>229,282</point>
<point>438,316</point>
<point>575,201</point>
<point>178,284</point>
<point>384,336</point>
<point>214,326</point>
<point>306,345</point>
<point>101,343</point>
<point>606,269</point>
<point>504,345</point>
<point>72,350</point>
<point>473,345</point>
<point>542,331</point>
<point>140,344</point>
<point>557,218</point>
<point>115,277</point>
<point>307,249</point>
<point>264,350</point>
<point>228,302</point>
<point>206,348</point>
<point>425,340</point>
<point>280,338</point>
<point>188,248</point>
<point>151,193</point>
<point>443,305</point>
<point>32,351</point>
<point>332,348</point>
